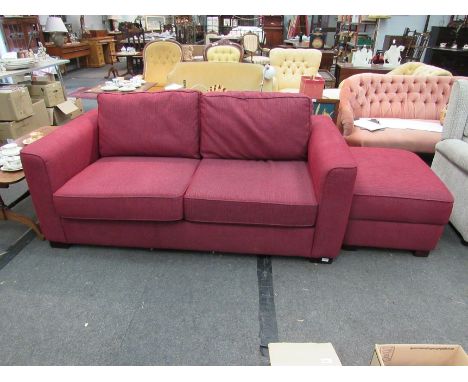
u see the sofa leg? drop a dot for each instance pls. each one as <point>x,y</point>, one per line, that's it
<point>56,244</point>
<point>321,260</point>
<point>346,247</point>
<point>420,253</point>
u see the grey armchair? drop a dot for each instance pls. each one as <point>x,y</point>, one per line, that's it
<point>451,158</point>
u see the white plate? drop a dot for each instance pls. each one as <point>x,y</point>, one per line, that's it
<point>7,169</point>
<point>129,89</point>
<point>28,141</point>
<point>109,88</point>
<point>14,153</point>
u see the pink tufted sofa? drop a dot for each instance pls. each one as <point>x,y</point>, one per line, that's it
<point>393,96</point>
<point>242,172</point>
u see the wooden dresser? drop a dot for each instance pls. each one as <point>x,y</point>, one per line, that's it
<point>101,51</point>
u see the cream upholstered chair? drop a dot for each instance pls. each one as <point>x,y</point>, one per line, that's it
<point>224,51</point>
<point>251,45</point>
<point>451,157</point>
<point>292,64</point>
<point>159,58</point>
<point>419,69</point>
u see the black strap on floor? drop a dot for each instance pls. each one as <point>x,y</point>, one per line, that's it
<point>267,312</point>
<point>17,247</point>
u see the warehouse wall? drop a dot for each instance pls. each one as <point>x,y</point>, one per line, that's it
<point>397,24</point>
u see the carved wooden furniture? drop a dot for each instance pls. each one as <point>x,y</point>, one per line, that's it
<point>102,50</point>
<point>273,29</point>
<point>79,51</point>
<point>21,33</point>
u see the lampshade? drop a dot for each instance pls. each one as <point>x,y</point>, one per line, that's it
<point>114,17</point>
<point>55,24</point>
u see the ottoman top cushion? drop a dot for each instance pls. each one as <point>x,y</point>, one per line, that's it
<point>396,185</point>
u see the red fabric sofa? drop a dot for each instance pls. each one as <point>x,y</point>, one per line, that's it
<point>241,172</point>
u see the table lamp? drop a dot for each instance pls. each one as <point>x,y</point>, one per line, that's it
<point>114,22</point>
<point>57,30</point>
<point>268,73</point>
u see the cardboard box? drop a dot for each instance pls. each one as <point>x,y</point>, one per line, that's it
<point>66,111</point>
<point>15,103</point>
<point>40,116</point>
<point>16,129</point>
<point>303,354</point>
<point>51,92</point>
<point>419,355</point>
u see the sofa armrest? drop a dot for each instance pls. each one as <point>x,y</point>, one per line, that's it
<point>333,171</point>
<point>456,151</point>
<point>49,163</point>
<point>345,120</point>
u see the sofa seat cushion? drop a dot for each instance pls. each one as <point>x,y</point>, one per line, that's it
<point>270,193</point>
<point>397,186</point>
<point>127,188</point>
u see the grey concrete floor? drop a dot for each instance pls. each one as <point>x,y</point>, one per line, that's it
<point>114,306</point>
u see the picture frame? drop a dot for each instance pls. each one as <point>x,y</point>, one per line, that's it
<point>154,23</point>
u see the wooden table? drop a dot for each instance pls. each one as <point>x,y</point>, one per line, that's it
<point>344,70</point>
<point>80,51</point>
<point>143,88</point>
<point>9,178</point>
<point>130,57</point>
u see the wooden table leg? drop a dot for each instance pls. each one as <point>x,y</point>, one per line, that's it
<point>7,214</point>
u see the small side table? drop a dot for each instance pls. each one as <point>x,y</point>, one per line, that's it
<point>9,178</point>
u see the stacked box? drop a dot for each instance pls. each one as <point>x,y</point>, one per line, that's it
<point>15,103</point>
<point>65,111</point>
<point>50,91</point>
<point>16,129</point>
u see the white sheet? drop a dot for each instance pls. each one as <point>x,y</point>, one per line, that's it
<point>398,123</point>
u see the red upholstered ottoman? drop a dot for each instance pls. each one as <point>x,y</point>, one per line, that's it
<point>398,202</point>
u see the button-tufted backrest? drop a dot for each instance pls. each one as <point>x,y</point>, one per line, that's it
<point>395,96</point>
<point>224,52</point>
<point>419,69</point>
<point>250,42</point>
<point>159,58</point>
<point>291,64</point>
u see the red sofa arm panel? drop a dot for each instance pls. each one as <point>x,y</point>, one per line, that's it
<point>53,160</point>
<point>333,172</point>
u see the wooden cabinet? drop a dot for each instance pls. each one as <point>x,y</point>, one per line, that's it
<point>101,51</point>
<point>273,27</point>
<point>21,33</point>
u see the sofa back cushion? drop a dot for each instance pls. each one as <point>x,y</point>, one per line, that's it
<point>253,125</point>
<point>162,124</point>
<point>396,96</point>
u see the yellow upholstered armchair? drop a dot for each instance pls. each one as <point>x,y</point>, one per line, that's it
<point>292,64</point>
<point>224,51</point>
<point>159,58</point>
<point>419,69</point>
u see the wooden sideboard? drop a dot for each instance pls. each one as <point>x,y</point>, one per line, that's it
<point>102,51</point>
<point>79,51</point>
